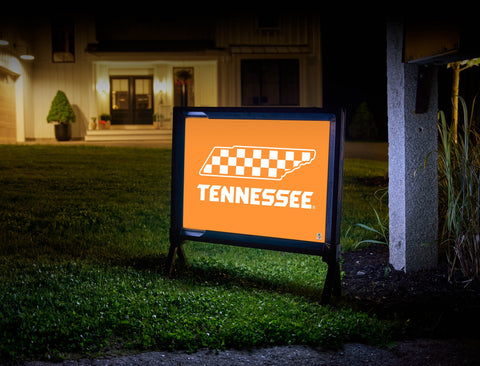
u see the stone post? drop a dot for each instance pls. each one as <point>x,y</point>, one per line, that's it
<point>412,135</point>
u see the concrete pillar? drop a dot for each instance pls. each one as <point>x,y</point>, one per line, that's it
<point>412,134</point>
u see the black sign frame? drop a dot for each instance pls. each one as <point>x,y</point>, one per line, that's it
<point>329,250</point>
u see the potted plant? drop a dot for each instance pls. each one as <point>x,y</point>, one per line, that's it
<point>156,120</point>
<point>104,121</point>
<point>93,124</point>
<point>61,113</point>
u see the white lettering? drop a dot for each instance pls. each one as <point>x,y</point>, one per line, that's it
<point>294,198</point>
<point>214,193</point>
<point>256,196</point>
<point>268,197</point>
<point>241,195</point>
<point>203,187</point>
<point>282,198</point>
<point>306,200</point>
<point>227,193</point>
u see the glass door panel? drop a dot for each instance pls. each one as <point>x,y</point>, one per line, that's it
<point>131,100</point>
<point>143,101</point>
<point>120,101</point>
<point>120,93</point>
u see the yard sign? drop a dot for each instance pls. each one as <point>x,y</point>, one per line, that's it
<point>264,178</point>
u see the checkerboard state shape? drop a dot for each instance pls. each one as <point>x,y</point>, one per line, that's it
<point>254,162</point>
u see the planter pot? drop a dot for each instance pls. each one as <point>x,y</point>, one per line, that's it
<point>63,132</point>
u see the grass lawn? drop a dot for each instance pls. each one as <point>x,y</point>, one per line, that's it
<point>83,245</point>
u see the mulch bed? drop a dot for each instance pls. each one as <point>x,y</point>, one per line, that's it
<point>424,303</point>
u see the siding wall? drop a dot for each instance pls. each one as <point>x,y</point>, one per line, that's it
<point>8,121</point>
<point>298,36</point>
<point>75,79</point>
<point>217,72</point>
<point>294,29</point>
<point>19,73</point>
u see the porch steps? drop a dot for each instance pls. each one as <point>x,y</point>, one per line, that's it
<point>151,135</point>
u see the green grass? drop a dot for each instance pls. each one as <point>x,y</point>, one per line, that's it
<point>364,192</point>
<point>83,244</point>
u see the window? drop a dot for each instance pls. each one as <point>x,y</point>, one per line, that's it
<point>63,40</point>
<point>183,86</point>
<point>270,82</point>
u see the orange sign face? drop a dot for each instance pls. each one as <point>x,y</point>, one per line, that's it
<point>257,177</point>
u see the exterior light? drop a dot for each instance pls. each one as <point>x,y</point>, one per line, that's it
<point>27,57</point>
<point>24,52</point>
<point>103,86</point>
<point>3,39</point>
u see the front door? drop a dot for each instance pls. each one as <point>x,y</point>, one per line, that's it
<point>131,100</point>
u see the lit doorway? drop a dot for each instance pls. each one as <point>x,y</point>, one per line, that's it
<point>131,100</point>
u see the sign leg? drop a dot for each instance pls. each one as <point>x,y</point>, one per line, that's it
<point>174,251</point>
<point>332,281</point>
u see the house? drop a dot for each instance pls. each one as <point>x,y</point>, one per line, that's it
<point>136,68</point>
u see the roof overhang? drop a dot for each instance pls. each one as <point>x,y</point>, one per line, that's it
<point>441,42</point>
<point>151,46</point>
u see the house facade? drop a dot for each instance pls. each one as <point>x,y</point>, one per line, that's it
<point>136,69</point>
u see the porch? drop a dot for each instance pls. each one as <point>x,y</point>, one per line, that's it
<point>130,134</point>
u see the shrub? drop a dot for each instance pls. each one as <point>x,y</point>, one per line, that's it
<point>363,124</point>
<point>60,110</point>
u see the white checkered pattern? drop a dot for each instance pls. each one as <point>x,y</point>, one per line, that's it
<point>255,162</point>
